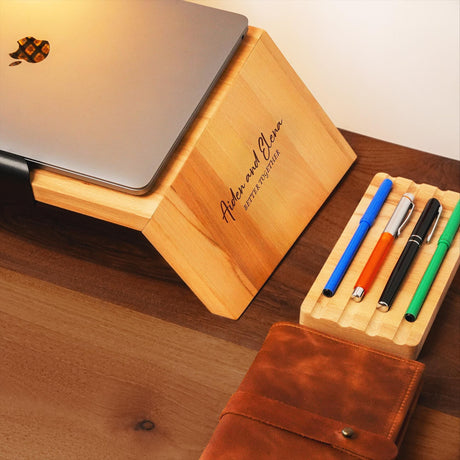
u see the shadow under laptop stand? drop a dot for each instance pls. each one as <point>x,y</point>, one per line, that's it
<point>255,166</point>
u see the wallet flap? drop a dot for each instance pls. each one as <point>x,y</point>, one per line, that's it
<point>309,425</point>
<point>336,378</point>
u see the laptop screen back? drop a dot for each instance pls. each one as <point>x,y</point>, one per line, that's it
<point>119,87</point>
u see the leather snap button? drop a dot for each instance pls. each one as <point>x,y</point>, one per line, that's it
<point>348,432</point>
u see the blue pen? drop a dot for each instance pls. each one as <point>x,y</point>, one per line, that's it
<point>365,224</point>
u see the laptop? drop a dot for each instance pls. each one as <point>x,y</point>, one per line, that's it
<point>104,90</point>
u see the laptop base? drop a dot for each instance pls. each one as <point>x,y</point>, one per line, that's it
<point>254,168</point>
<point>15,185</point>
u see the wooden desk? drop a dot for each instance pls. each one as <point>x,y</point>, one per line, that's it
<point>98,334</point>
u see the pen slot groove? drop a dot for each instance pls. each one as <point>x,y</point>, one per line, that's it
<point>361,321</point>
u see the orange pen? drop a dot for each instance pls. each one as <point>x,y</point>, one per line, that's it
<point>393,229</point>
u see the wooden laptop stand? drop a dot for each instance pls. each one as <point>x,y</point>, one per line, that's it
<point>253,169</point>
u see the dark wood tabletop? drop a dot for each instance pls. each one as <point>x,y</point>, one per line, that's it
<point>106,353</point>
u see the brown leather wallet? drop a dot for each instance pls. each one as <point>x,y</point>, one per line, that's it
<point>311,395</point>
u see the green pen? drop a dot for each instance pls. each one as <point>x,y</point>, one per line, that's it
<point>427,280</point>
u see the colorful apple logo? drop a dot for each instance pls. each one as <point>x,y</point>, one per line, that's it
<point>31,50</point>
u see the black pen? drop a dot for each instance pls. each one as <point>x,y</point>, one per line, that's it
<point>431,212</point>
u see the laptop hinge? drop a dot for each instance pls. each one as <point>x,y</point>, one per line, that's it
<point>15,185</point>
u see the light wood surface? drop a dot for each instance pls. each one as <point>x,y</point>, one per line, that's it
<point>255,167</point>
<point>99,333</point>
<point>341,316</point>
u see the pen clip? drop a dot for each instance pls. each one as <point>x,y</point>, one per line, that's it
<point>406,219</point>
<point>435,224</point>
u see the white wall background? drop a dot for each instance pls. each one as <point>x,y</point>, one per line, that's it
<point>384,68</point>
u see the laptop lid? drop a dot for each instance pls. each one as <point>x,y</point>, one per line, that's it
<point>112,85</point>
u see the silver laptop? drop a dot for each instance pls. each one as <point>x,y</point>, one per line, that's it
<point>105,89</point>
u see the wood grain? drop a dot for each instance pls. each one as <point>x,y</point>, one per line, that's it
<point>361,322</point>
<point>431,434</point>
<point>81,377</point>
<point>257,163</point>
<point>112,268</point>
<point>78,378</point>
<point>117,264</point>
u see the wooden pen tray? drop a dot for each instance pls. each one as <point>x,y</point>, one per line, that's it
<point>362,322</point>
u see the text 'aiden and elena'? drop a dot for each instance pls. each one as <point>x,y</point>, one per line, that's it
<point>266,152</point>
